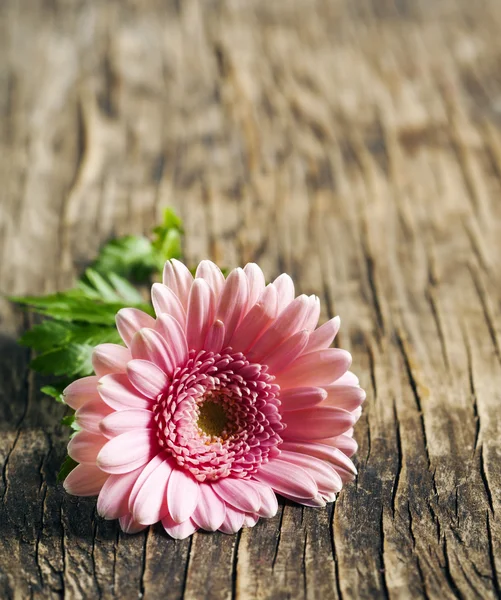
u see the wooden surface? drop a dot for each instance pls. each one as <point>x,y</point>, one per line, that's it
<point>355,145</point>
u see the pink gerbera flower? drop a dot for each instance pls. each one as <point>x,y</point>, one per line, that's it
<point>228,397</point>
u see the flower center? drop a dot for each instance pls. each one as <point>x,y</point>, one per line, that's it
<point>219,416</point>
<point>212,420</point>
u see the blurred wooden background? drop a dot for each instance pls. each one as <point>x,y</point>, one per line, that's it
<point>353,144</point>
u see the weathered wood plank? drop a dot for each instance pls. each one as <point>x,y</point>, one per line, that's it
<point>355,145</point>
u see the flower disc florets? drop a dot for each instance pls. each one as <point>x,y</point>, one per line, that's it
<point>219,416</point>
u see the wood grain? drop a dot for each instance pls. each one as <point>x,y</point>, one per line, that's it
<point>355,145</point>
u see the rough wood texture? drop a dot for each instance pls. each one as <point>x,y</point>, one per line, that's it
<point>355,145</point>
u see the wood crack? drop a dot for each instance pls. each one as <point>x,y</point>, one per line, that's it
<point>186,569</point>
<point>447,571</point>
<point>234,569</point>
<point>492,559</point>
<point>143,564</point>
<point>334,552</point>
<point>489,320</point>
<point>279,536</point>
<point>384,583</point>
<point>396,481</point>
<point>416,393</point>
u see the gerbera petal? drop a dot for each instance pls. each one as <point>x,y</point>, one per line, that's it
<point>317,502</point>
<point>286,478</point>
<point>250,520</point>
<point>334,456</point>
<point>324,474</point>
<point>126,452</point>
<point>126,420</point>
<point>348,397</point>
<point>269,502</point>
<point>84,447</point>
<point>129,525</point>
<point>256,321</point>
<point>147,378</point>
<point>232,304</point>
<point>210,510</point>
<point>324,335</point>
<point>81,391</point>
<point>302,397</point>
<point>149,345</point>
<point>182,495</point>
<point>146,471</point>
<point>85,480</point>
<point>215,337</point>
<point>281,357</point>
<point>344,442</point>
<point>179,531</point>
<point>285,288</point>
<point>113,501</point>
<point>238,493</point>
<point>316,368</point>
<point>357,413</point>
<point>165,302</point>
<point>288,322</point>
<point>174,335</point>
<point>213,276</point>
<point>179,279</point>
<point>322,422</point>
<point>201,306</point>
<point>348,378</point>
<point>150,504</point>
<point>255,278</point>
<point>91,414</point>
<point>119,393</point>
<point>313,314</point>
<point>110,358</point>
<point>233,521</point>
<point>130,321</point>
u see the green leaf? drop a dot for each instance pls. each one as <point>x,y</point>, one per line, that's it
<point>171,247</point>
<point>75,305</point>
<point>167,238</point>
<point>129,256</point>
<point>137,256</point>
<point>71,360</point>
<point>70,421</point>
<point>112,288</point>
<point>103,288</point>
<point>45,336</point>
<point>55,334</point>
<point>94,334</point>
<point>66,468</point>
<point>55,391</point>
<point>171,220</point>
<point>127,291</point>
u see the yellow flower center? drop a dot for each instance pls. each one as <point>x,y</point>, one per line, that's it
<point>212,420</point>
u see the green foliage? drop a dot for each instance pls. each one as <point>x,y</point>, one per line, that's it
<point>71,360</point>
<point>138,257</point>
<point>167,239</point>
<point>66,468</point>
<point>130,256</point>
<point>69,421</point>
<point>87,303</point>
<point>83,317</point>
<point>55,391</point>
<point>45,336</point>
